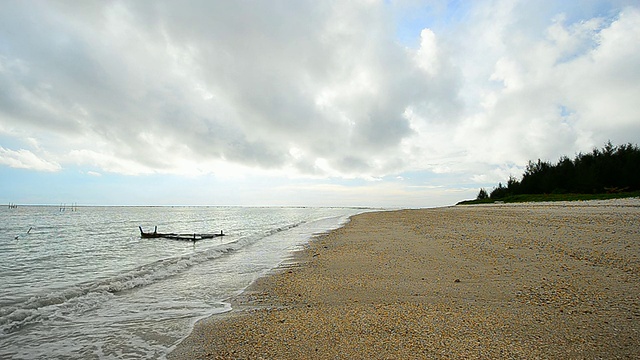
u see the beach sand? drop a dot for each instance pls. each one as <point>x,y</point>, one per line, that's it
<point>558,281</point>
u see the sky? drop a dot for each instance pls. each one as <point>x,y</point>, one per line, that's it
<point>304,102</point>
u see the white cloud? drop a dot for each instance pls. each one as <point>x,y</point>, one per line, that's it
<point>427,55</point>
<point>315,88</point>
<point>25,159</point>
<point>565,90</point>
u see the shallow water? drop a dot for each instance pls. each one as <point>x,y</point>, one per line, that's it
<point>83,284</point>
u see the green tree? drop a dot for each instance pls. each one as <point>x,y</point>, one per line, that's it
<point>612,169</point>
<point>499,192</point>
<point>482,195</point>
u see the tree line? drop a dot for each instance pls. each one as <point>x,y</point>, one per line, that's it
<point>607,170</point>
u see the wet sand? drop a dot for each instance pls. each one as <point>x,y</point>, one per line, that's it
<point>556,281</point>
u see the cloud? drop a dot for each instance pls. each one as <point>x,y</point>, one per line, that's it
<point>316,88</point>
<point>25,159</point>
<point>537,85</point>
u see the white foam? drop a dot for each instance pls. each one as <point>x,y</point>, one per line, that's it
<point>115,297</point>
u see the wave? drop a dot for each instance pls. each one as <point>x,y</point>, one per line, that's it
<point>83,297</point>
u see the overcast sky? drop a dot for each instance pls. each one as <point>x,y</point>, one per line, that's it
<point>312,103</point>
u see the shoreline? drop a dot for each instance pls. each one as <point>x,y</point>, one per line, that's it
<point>459,282</point>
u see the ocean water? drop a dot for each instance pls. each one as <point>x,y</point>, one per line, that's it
<point>83,284</point>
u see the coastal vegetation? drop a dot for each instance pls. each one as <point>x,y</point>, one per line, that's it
<point>607,173</point>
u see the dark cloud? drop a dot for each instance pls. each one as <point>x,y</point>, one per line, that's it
<point>313,87</point>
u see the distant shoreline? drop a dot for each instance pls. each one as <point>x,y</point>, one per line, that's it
<point>533,198</point>
<point>627,201</point>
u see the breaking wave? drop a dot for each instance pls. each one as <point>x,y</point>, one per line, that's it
<point>83,297</point>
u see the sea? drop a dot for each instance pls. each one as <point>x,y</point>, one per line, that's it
<point>80,282</point>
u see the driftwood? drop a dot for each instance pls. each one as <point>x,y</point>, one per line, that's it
<point>186,237</point>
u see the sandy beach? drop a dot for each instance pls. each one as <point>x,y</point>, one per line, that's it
<point>549,281</point>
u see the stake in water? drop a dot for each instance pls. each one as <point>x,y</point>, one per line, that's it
<point>83,284</point>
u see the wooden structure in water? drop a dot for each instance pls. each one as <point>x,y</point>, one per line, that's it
<point>173,236</point>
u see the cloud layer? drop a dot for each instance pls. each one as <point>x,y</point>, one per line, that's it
<point>314,88</point>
